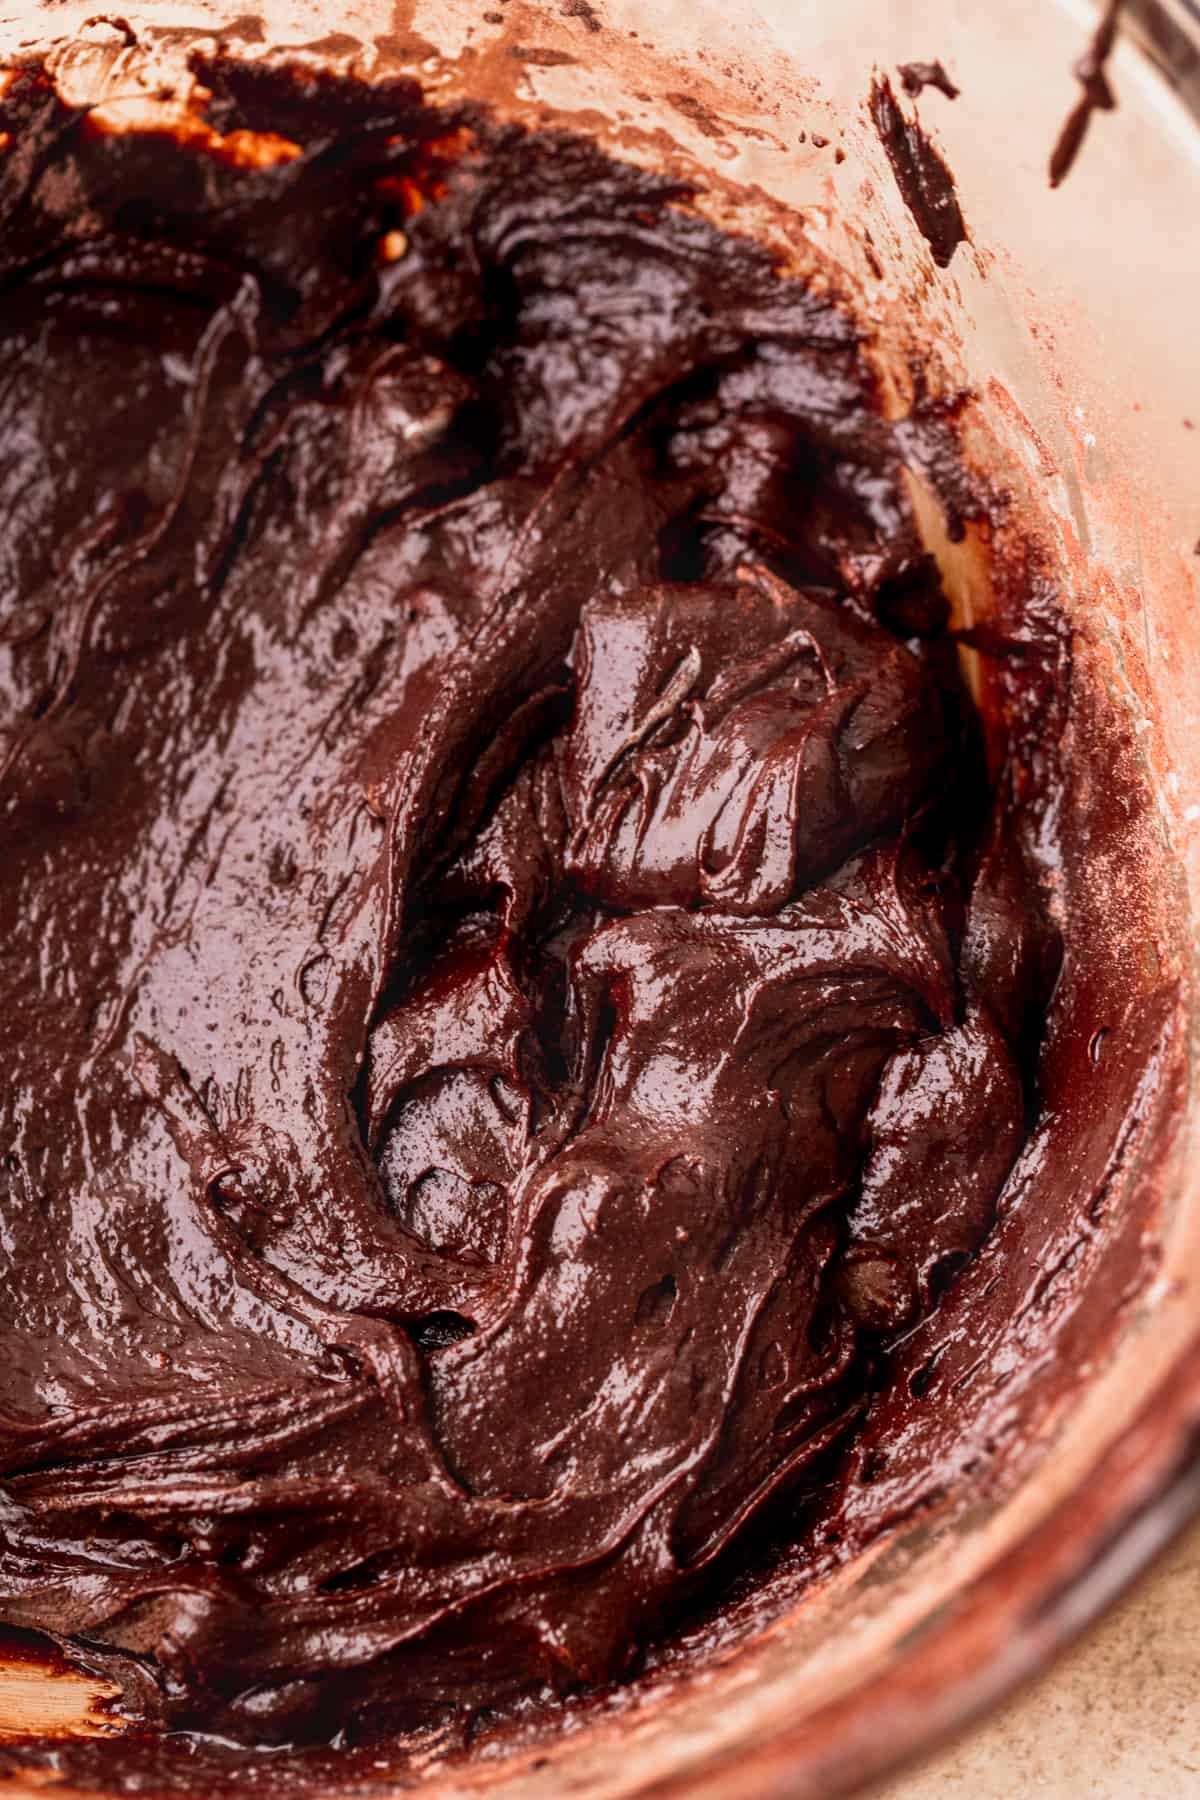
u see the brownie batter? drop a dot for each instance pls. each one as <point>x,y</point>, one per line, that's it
<point>515,984</point>
<point>915,77</point>
<point>1091,72</point>
<point>922,174</point>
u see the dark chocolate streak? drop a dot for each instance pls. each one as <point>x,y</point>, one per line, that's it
<point>513,986</point>
<point>1097,95</point>
<point>922,176</point>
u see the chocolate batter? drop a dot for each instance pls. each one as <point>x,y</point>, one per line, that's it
<point>915,77</point>
<point>516,985</point>
<point>921,171</point>
<point>1091,72</point>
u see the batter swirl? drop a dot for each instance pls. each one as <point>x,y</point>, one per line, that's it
<point>514,985</point>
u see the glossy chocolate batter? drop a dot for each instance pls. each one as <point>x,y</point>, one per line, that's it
<point>922,173</point>
<point>515,985</point>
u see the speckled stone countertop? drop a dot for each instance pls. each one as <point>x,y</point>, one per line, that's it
<point>1117,1719</point>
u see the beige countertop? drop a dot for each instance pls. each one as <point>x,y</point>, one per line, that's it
<point>1117,1719</point>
